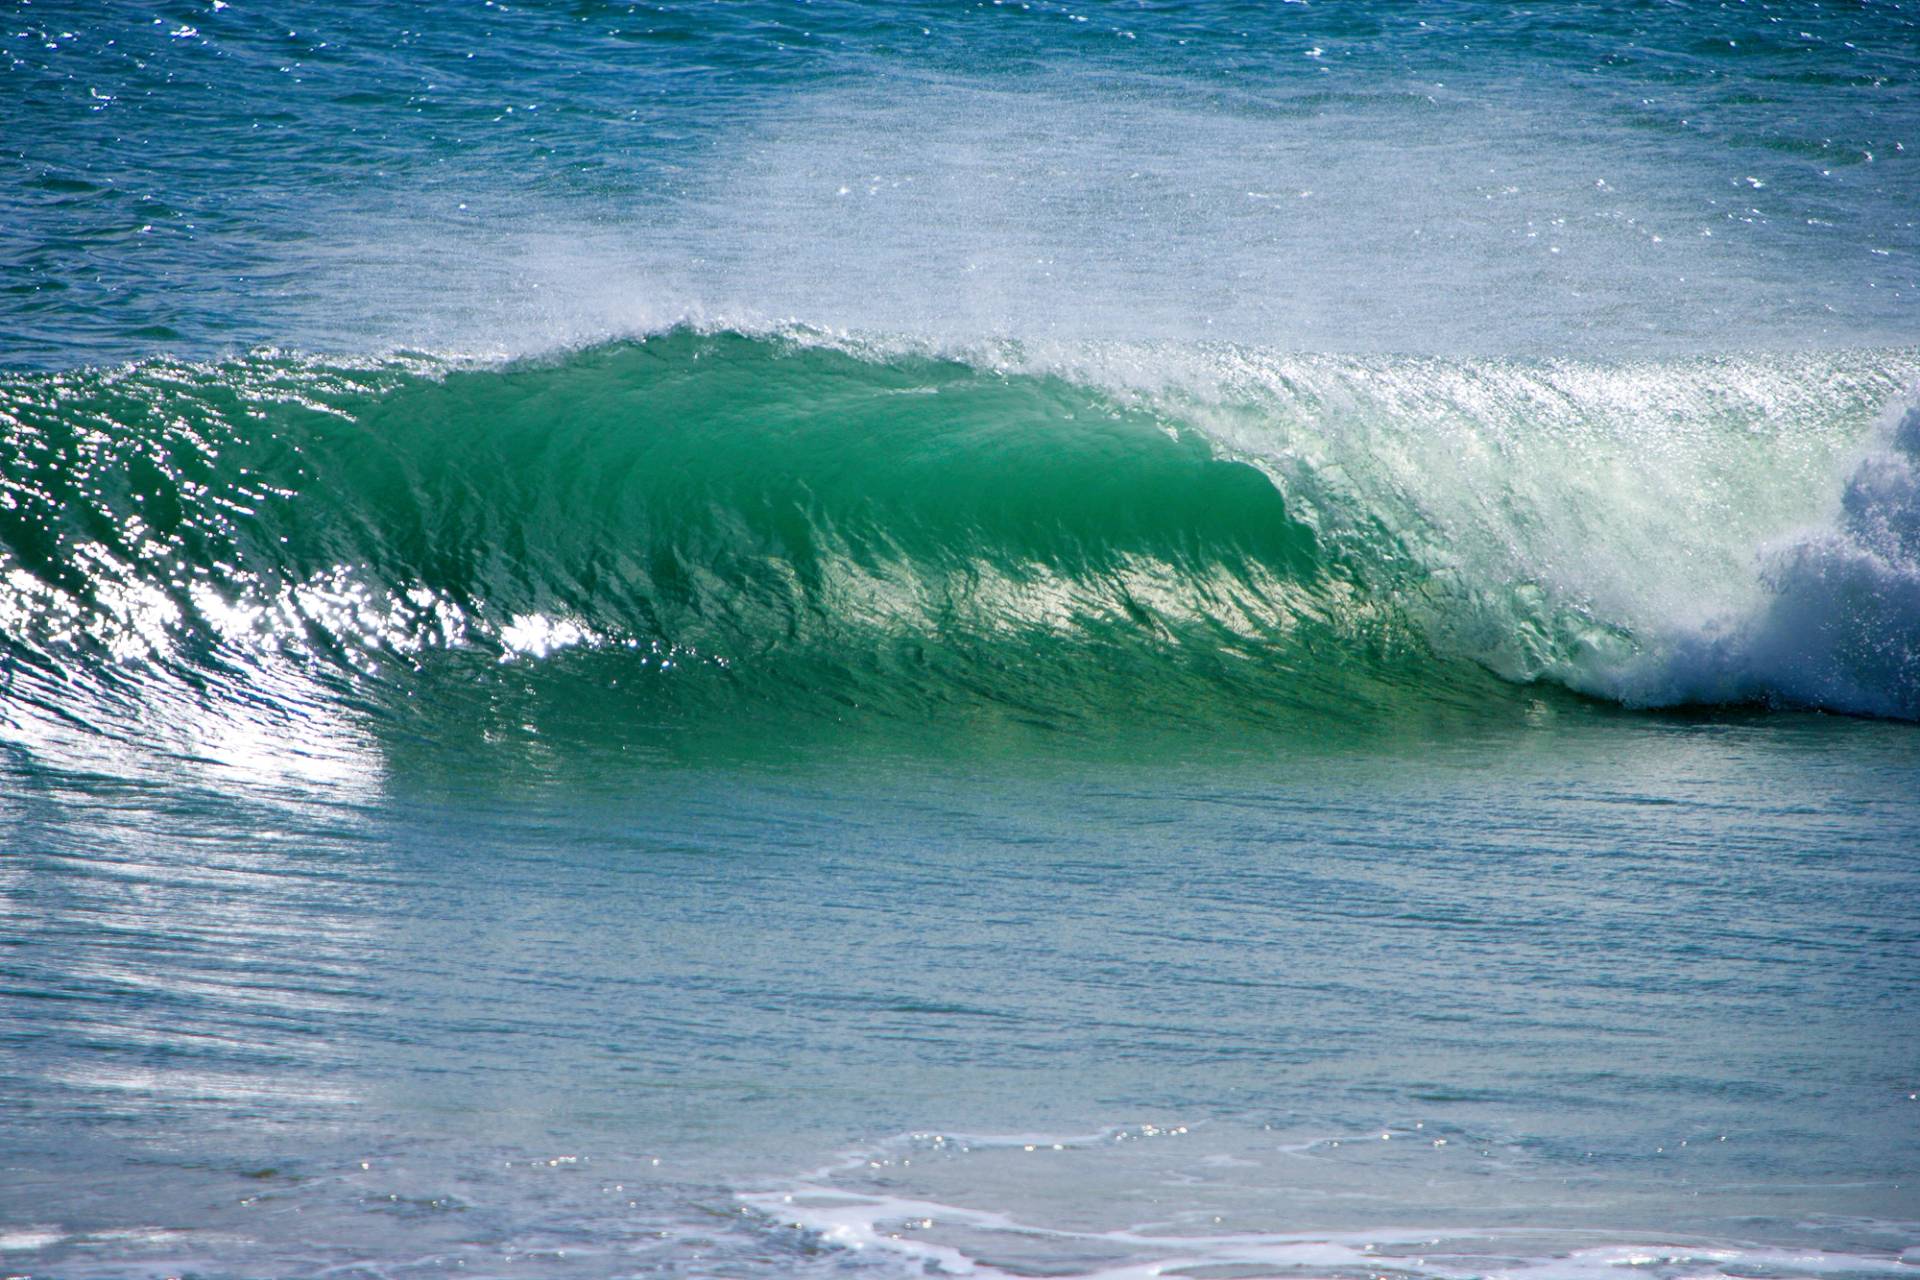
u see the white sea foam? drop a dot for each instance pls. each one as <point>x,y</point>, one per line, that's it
<point>27,1239</point>
<point>1840,625</point>
<point>898,1227</point>
<point>838,1207</point>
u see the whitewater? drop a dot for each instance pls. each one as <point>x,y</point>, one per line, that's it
<point>1012,639</point>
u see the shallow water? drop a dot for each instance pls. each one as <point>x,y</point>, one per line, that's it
<point>1592,984</point>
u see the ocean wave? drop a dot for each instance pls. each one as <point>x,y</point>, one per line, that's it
<point>716,523</point>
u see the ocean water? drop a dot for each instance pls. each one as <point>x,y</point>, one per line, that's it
<point>817,640</point>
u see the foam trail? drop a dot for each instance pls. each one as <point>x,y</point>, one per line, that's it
<point>856,1205</point>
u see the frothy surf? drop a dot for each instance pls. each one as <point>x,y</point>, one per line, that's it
<point>864,1205</point>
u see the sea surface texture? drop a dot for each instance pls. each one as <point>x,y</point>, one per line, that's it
<point>795,640</point>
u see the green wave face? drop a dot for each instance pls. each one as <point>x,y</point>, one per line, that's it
<point>664,532</point>
<point>717,532</point>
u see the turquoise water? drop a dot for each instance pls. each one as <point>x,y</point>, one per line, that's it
<point>750,640</point>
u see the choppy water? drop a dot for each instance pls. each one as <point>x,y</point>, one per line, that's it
<point>765,640</point>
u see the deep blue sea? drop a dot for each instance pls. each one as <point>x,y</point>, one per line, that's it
<point>720,641</point>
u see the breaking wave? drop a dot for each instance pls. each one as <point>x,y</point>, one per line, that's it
<point>716,524</point>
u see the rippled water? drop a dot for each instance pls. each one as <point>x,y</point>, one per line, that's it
<point>1572,992</point>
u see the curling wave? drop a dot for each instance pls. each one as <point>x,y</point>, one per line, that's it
<point>716,524</point>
